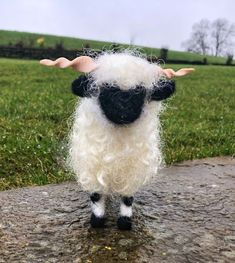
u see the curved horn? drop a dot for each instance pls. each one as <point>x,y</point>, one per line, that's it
<point>170,73</point>
<point>83,64</point>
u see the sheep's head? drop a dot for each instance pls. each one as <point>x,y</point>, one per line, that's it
<point>123,69</point>
<point>124,83</point>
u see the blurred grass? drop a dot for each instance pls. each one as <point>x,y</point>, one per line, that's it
<point>200,120</point>
<point>75,43</point>
<point>50,40</point>
<point>36,105</point>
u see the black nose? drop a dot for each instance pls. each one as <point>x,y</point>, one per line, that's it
<point>119,106</point>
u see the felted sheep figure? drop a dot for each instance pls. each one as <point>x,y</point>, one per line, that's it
<point>114,145</point>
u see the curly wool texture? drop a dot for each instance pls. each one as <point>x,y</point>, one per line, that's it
<point>109,158</point>
<point>126,71</point>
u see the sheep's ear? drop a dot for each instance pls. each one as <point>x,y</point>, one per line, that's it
<point>83,64</point>
<point>163,90</point>
<point>80,86</point>
<point>170,73</point>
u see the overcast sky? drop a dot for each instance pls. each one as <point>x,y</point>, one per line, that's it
<point>153,23</point>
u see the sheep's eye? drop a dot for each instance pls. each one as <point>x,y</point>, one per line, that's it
<point>137,89</point>
<point>109,86</point>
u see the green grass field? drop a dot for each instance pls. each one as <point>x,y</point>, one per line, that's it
<point>36,105</point>
<point>13,37</point>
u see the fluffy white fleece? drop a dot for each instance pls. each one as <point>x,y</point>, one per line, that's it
<point>126,71</point>
<point>109,158</point>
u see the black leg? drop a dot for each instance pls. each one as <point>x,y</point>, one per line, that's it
<point>98,210</point>
<point>124,221</point>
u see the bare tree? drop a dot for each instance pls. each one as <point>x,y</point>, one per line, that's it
<point>222,33</point>
<point>214,38</point>
<point>199,40</point>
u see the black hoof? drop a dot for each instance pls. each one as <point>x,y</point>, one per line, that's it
<point>124,223</point>
<point>97,222</point>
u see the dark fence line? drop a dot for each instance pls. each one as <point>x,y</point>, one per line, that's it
<point>38,53</point>
<point>41,53</point>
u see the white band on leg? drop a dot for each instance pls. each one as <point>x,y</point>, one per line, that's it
<point>98,208</point>
<point>125,210</point>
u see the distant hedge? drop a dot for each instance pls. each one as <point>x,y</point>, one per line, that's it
<point>52,53</point>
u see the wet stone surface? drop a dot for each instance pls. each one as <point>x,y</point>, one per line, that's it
<point>187,214</point>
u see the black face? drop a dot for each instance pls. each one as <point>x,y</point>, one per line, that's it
<point>122,106</point>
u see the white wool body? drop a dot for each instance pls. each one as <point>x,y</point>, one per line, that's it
<point>109,158</point>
